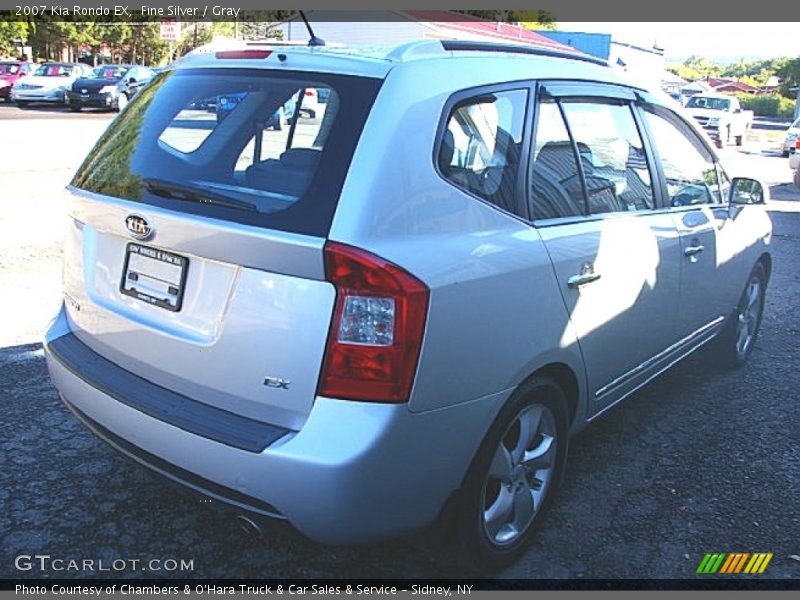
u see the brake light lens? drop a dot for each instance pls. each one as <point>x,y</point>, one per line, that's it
<point>378,324</point>
<point>311,92</point>
<point>243,53</point>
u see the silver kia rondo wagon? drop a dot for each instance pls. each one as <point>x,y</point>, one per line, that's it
<point>403,306</point>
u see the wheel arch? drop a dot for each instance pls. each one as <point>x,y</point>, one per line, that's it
<point>766,260</point>
<point>567,380</point>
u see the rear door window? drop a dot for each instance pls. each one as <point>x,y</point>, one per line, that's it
<point>556,189</point>
<point>588,158</point>
<point>612,155</point>
<point>235,144</point>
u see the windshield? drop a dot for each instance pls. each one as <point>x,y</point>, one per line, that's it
<point>108,72</point>
<point>8,68</point>
<point>709,103</point>
<point>54,70</point>
<point>244,145</point>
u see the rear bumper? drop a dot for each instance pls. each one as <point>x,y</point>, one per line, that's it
<point>713,133</point>
<point>356,472</point>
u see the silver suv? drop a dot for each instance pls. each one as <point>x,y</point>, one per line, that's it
<point>403,306</point>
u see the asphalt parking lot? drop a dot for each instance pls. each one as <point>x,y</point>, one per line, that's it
<point>701,460</point>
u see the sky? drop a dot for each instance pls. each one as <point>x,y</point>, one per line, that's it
<point>722,42</point>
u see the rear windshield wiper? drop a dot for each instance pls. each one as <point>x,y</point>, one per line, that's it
<point>177,191</point>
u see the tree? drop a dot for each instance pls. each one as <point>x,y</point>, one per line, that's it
<point>790,77</point>
<point>145,45</point>
<point>10,31</point>
<point>703,66</point>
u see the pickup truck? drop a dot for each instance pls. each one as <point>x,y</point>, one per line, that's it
<point>722,117</point>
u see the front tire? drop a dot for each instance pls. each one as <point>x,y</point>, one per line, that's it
<point>514,475</point>
<point>23,104</point>
<point>736,342</point>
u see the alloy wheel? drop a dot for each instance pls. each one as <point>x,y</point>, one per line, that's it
<point>747,319</point>
<point>520,474</point>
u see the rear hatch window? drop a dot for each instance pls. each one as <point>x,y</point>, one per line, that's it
<point>254,146</point>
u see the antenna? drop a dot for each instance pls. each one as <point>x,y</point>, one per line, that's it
<point>314,41</point>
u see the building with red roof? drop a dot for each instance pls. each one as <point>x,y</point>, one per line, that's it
<point>387,28</point>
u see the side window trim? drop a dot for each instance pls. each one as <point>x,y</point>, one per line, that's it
<point>528,86</point>
<point>587,89</point>
<point>653,158</point>
<point>576,153</point>
<point>541,93</point>
<point>723,190</point>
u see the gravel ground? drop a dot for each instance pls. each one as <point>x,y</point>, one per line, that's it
<point>701,460</point>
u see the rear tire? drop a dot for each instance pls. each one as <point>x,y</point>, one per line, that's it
<point>23,104</point>
<point>736,341</point>
<point>797,177</point>
<point>76,108</point>
<point>514,475</point>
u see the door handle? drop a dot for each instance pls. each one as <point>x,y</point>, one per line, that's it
<point>693,250</point>
<point>579,280</point>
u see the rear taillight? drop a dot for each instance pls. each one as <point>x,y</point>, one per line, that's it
<point>797,144</point>
<point>377,327</point>
<point>311,93</point>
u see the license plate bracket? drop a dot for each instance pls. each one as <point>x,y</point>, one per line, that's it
<point>154,276</point>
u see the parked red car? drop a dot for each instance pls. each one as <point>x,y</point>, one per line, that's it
<point>10,71</point>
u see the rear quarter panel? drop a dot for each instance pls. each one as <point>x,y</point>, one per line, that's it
<point>495,313</point>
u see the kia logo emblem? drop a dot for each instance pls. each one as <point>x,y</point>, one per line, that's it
<point>138,227</point>
<point>84,91</point>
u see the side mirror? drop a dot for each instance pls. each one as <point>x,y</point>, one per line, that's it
<point>736,111</point>
<point>748,191</point>
<point>131,80</point>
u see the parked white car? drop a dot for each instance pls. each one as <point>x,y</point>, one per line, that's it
<point>794,162</point>
<point>790,141</point>
<point>48,83</point>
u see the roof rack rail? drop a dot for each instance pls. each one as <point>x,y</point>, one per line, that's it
<point>460,45</point>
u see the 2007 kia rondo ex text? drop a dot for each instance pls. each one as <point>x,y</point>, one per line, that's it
<point>403,306</point>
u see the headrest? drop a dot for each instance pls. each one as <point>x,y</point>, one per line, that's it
<point>300,158</point>
<point>447,150</point>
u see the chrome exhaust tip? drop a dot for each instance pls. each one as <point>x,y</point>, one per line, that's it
<point>249,526</point>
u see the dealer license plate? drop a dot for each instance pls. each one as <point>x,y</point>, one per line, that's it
<point>154,276</point>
